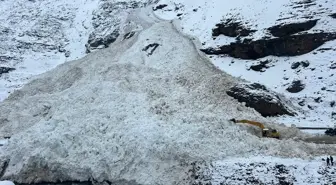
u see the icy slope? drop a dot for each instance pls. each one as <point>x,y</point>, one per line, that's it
<point>140,111</point>
<point>317,99</point>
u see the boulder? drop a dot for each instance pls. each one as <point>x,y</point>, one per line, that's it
<point>295,65</point>
<point>292,28</point>
<point>257,96</point>
<point>296,86</point>
<point>261,67</point>
<point>293,45</point>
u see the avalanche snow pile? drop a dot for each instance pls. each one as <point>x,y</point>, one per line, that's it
<point>141,111</point>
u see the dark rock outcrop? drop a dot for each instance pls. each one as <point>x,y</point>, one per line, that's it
<point>293,45</point>
<point>95,42</point>
<point>296,86</point>
<point>129,35</point>
<point>292,28</point>
<point>159,7</point>
<point>5,70</point>
<point>331,132</point>
<point>153,47</point>
<point>257,96</point>
<point>333,15</point>
<point>231,29</point>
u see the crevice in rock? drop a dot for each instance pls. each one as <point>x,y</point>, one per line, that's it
<point>292,45</point>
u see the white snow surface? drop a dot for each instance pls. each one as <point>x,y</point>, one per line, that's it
<point>199,17</point>
<point>123,114</point>
<point>6,183</point>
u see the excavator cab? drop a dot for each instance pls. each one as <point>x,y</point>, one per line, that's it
<point>272,133</point>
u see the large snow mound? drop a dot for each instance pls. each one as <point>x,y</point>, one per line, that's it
<point>142,109</point>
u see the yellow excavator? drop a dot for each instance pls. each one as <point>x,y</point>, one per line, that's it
<point>266,132</point>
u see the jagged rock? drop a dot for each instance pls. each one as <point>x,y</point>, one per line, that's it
<point>293,45</point>
<point>231,29</point>
<point>332,103</point>
<point>292,28</point>
<point>296,86</point>
<point>6,70</point>
<point>95,42</point>
<point>257,96</point>
<point>159,7</point>
<point>261,67</point>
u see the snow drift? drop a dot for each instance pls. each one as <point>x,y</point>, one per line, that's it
<point>141,110</point>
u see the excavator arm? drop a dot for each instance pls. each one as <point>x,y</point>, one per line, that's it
<point>265,131</point>
<point>260,125</point>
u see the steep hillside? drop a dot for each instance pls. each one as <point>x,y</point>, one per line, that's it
<point>286,45</point>
<point>143,111</point>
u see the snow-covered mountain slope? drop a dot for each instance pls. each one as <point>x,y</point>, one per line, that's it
<point>36,36</point>
<point>317,99</point>
<point>141,111</point>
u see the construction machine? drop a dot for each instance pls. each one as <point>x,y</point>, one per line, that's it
<point>266,132</point>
